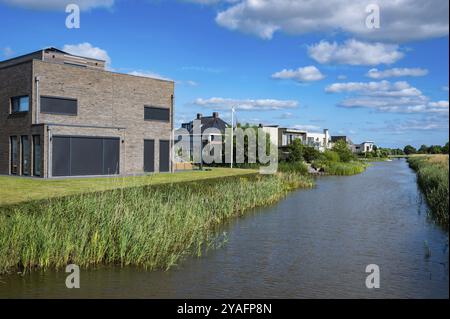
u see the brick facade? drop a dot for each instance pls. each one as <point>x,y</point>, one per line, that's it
<point>109,105</point>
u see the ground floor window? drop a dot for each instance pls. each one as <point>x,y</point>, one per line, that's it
<point>14,158</point>
<point>25,143</point>
<point>36,155</point>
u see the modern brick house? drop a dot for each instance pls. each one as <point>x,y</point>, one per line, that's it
<point>64,115</point>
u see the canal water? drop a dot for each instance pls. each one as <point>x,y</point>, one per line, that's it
<point>314,244</point>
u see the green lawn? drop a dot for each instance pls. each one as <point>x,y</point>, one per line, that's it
<point>15,190</point>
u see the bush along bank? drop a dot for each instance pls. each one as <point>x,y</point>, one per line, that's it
<point>152,227</point>
<point>432,178</point>
<point>338,161</point>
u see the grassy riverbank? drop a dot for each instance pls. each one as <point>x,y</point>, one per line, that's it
<point>16,190</point>
<point>149,226</point>
<point>432,177</point>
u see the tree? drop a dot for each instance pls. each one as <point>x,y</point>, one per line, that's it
<point>435,149</point>
<point>310,154</point>
<point>295,151</point>
<point>345,154</point>
<point>445,149</point>
<point>423,149</point>
<point>409,150</point>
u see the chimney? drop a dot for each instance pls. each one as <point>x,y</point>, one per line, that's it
<point>199,116</point>
<point>215,115</point>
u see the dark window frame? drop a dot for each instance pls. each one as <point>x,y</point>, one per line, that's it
<point>157,108</point>
<point>11,104</point>
<point>37,164</point>
<point>12,153</point>
<point>25,161</point>
<point>58,98</point>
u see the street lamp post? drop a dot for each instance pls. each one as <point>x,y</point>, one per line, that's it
<point>232,135</point>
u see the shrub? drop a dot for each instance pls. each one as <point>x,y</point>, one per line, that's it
<point>331,156</point>
<point>310,154</point>
<point>295,151</point>
<point>296,167</point>
<point>345,154</point>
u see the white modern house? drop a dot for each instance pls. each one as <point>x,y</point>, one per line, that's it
<point>283,137</point>
<point>364,147</point>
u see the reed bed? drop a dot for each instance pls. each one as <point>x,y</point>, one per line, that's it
<point>432,178</point>
<point>148,226</point>
<point>340,168</point>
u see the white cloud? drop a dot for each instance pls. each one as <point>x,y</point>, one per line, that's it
<point>429,123</point>
<point>7,52</point>
<point>385,88</point>
<point>401,20</point>
<point>88,50</point>
<point>342,77</point>
<point>59,4</point>
<point>445,88</point>
<point>354,52</point>
<point>439,104</point>
<point>396,72</point>
<point>304,74</point>
<point>384,96</point>
<point>246,104</point>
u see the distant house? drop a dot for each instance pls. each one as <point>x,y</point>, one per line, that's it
<point>344,138</point>
<point>213,123</point>
<point>286,136</point>
<point>207,122</point>
<point>364,147</point>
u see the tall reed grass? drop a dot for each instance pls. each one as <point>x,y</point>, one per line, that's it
<point>432,178</point>
<point>153,227</point>
<point>340,168</point>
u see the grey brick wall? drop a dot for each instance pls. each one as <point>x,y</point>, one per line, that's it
<point>105,99</point>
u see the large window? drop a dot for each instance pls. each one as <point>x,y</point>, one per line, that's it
<point>36,155</point>
<point>14,158</point>
<point>20,104</point>
<point>152,113</point>
<point>59,105</point>
<point>25,142</point>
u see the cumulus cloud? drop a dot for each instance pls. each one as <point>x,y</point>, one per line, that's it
<point>396,72</point>
<point>88,50</point>
<point>401,20</point>
<point>382,88</point>
<point>304,74</point>
<point>384,96</point>
<point>59,4</point>
<point>219,103</point>
<point>354,52</point>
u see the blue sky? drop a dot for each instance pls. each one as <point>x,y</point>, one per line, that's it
<point>280,62</point>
